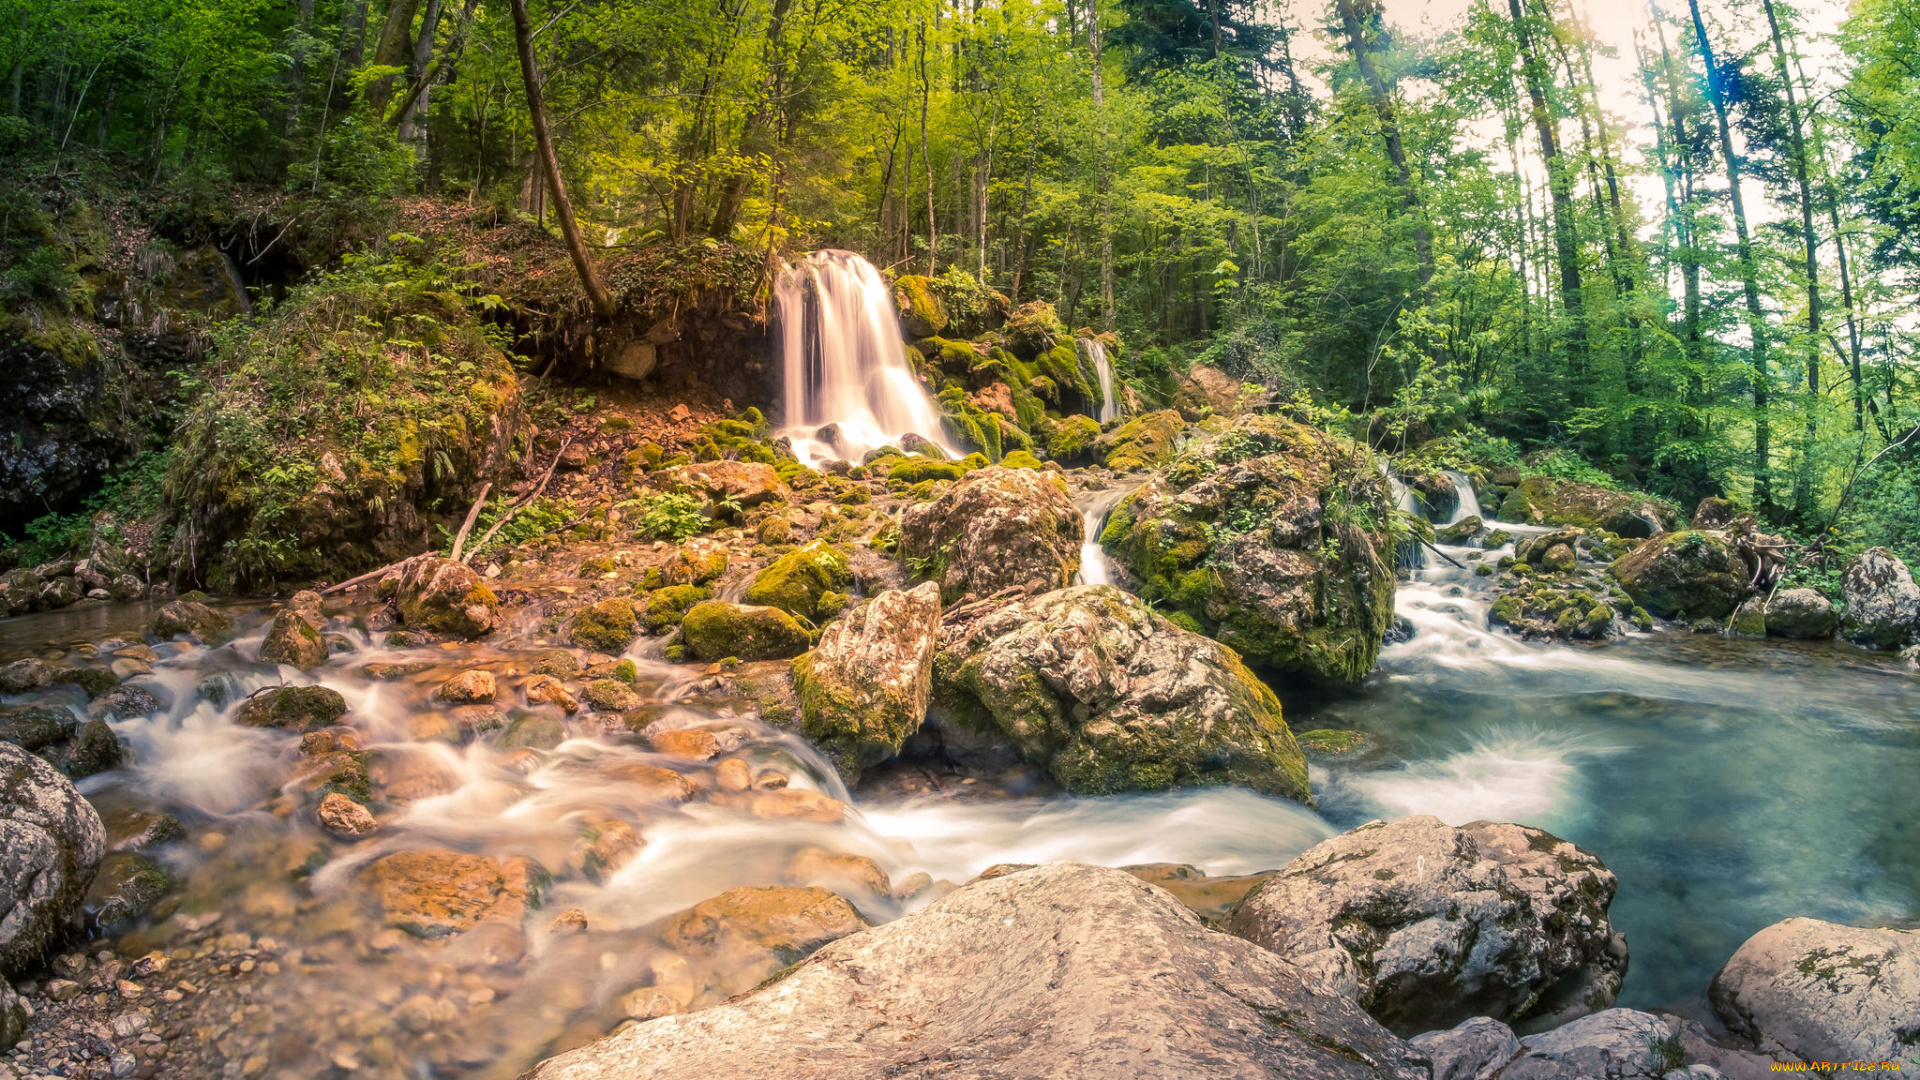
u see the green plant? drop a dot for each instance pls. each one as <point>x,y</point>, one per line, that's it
<point>669,515</point>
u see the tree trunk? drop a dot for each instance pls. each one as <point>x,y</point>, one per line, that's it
<point>297,75</point>
<point>926,154</point>
<point>1095,41</point>
<point>1566,240</point>
<point>417,74</point>
<point>1749,273</point>
<point>754,138</point>
<point>1803,478</point>
<point>1356,24</point>
<point>392,50</point>
<point>543,138</point>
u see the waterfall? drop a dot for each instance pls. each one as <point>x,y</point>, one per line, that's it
<point>849,387</point>
<point>1094,507</point>
<point>1102,368</point>
<point>1467,504</point>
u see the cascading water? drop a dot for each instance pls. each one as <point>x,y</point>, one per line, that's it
<point>1467,504</point>
<point>849,387</point>
<point>1092,350</point>
<point>1094,507</point>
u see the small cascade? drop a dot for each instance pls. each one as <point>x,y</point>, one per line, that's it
<point>1091,349</point>
<point>1467,504</point>
<point>849,387</point>
<point>1411,555</point>
<point>1094,507</point>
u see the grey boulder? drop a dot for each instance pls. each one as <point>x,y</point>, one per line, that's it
<point>1060,971</point>
<point>995,529</point>
<point>1426,925</point>
<point>1470,1050</point>
<point>1883,603</point>
<point>1819,991</point>
<point>1613,1044</point>
<point>51,843</point>
<point>1802,614</point>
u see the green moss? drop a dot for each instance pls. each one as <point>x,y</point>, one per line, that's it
<point>1072,438</point>
<point>1020,459</point>
<point>1331,742</point>
<point>922,312</point>
<point>798,581</point>
<point>608,626</point>
<point>665,607</point>
<point>1141,442</point>
<point>715,629</point>
<point>915,469</point>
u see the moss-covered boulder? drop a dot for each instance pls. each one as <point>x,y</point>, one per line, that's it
<point>1070,441</point>
<point>799,581</point>
<point>1543,500</point>
<point>191,619</point>
<point>294,640</point>
<point>696,562</point>
<point>995,529</point>
<point>1274,538</point>
<point>1697,573</point>
<point>1882,601</point>
<point>716,629</point>
<point>1140,443</point>
<point>608,626</point>
<point>441,596</point>
<point>913,470</point>
<point>922,312</point>
<point>1801,614</point>
<point>297,707</point>
<point>664,608</point>
<point>866,687</point>
<point>1108,697</point>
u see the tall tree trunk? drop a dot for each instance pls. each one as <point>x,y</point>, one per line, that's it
<point>754,139</point>
<point>1095,41</point>
<point>1357,23</point>
<point>418,69</point>
<point>1749,273</point>
<point>297,75</point>
<point>1566,239</point>
<point>926,154</point>
<point>392,50</point>
<point>543,139</point>
<point>1803,478</point>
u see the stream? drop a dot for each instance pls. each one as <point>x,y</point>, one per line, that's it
<point>1729,784</point>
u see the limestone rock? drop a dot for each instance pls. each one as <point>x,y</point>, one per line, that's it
<point>124,701</point>
<point>1206,391</point>
<point>297,707</point>
<point>1141,443</point>
<point>547,690</point>
<point>13,1018</point>
<point>696,562</point>
<point>21,676</point>
<point>441,596</point>
<point>1272,537</point>
<point>1057,972</point>
<point>471,687</point>
<point>51,843</point>
<point>748,483</point>
<point>865,688</point>
<point>1882,602</point>
<point>1818,991</point>
<point>1426,925</point>
<point>436,893</point>
<point>1544,500</point>
<point>1803,614</point>
<point>191,619</point>
<point>1696,573</point>
<point>995,529</point>
<point>1615,1044</point>
<point>343,817</point>
<point>294,639</point>
<point>716,629</point>
<point>1471,1050</point>
<point>1109,696</point>
<point>749,933</point>
<point>922,312</point>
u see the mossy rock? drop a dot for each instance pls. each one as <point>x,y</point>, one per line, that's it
<point>797,581</point>
<point>1032,329</point>
<point>1140,443</point>
<point>536,731</point>
<point>913,470</point>
<point>1020,459</point>
<point>1544,500</point>
<point>922,312</point>
<point>608,626</point>
<point>949,356</point>
<point>697,562</point>
<point>191,619</point>
<point>1072,439</point>
<point>95,681</point>
<point>716,629</point>
<point>1697,572</point>
<point>665,607</point>
<point>1332,742</point>
<point>297,707</point>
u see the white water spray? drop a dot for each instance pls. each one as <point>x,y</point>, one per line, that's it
<point>1103,369</point>
<point>849,387</point>
<point>1094,507</point>
<point>1467,504</point>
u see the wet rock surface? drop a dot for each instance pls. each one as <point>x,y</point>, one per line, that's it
<point>996,529</point>
<point>51,843</point>
<point>1815,991</point>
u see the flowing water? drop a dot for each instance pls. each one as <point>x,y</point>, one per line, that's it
<point>1095,569</point>
<point>1103,371</point>
<point>848,385</point>
<point>1728,784</point>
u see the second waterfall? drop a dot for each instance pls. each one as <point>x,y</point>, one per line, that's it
<point>849,387</point>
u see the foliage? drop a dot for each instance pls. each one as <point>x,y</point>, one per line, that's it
<point>669,515</point>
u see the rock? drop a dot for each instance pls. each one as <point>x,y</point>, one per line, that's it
<point>36,727</point>
<point>437,893</point>
<point>866,686</point>
<point>13,1018</point>
<point>570,921</point>
<point>298,707</point>
<point>1426,925</point>
<point>1460,531</point>
<point>994,529</point>
<point>22,676</point>
<point>603,847</point>
<point>839,872</point>
<point>652,783</point>
<point>1472,1050</point>
<point>749,933</point>
<point>1110,697</point>
<point>788,804</point>
<point>125,889</point>
<point>1543,500</point>
<point>1271,536</point>
<point>345,818</point>
<point>60,592</point>
<point>733,774</point>
<point>1206,391</point>
<point>191,619</point>
<point>1612,1043</point>
<point>691,744</point>
<point>51,843</point>
<point>94,749</point>
<point>746,483</point>
<point>797,582</point>
<point>441,596</point>
<point>1333,743</point>
<point>1141,443</point>
<point>716,629</point>
<point>1802,614</point>
<point>1882,602</point>
<point>1060,971</point>
<point>612,695</point>
<point>1211,898</point>
<point>123,702</point>
<point>922,313</point>
<point>295,640</point>
<point>547,690</point>
<point>471,687</point>
<point>1694,573</point>
<point>1749,619</point>
<point>557,662</point>
<point>696,562</point>
<point>1809,990</point>
<point>536,732</point>
<point>666,607</point>
<point>1713,512</point>
<point>95,681</point>
<point>140,830</point>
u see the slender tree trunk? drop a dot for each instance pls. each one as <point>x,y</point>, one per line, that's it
<point>1803,478</point>
<point>297,75</point>
<point>392,50</point>
<point>1095,41</point>
<point>926,154</point>
<point>543,138</point>
<point>754,137</point>
<point>1566,241</point>
<point>1749,273</point>
<point>418,72</point>
<point>1357,23</point>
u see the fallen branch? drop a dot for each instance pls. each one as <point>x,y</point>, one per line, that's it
<point>473,515</point>
<point>1442,554</point>
<point>352,581</point>
<point>515,506</point>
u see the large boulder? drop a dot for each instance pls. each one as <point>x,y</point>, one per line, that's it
<point>810,581</point>
<point>1272,537</point>
<point>192,619</point>
<point>1543,500</point>
<point>745,483</point>
<point>51,843</point>
<point>1803,614</point>
<point>294,638</point>
<point>1615,1044</point>
<point>441,596</point>
<point>922,312</point>
<point>1207,391</point>
<point>295,707</point>
<point>1109,696</point>
<point>1883,603</point>
<point>1816,991</point>
<point>1426,925</point>
<point>996,529</point>
<point>1140,443</point>
<point>744,935</point>
<point>1058,971</point>
<point>1697,574</point>
<point>716,629</point>
<point>865,688</point>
